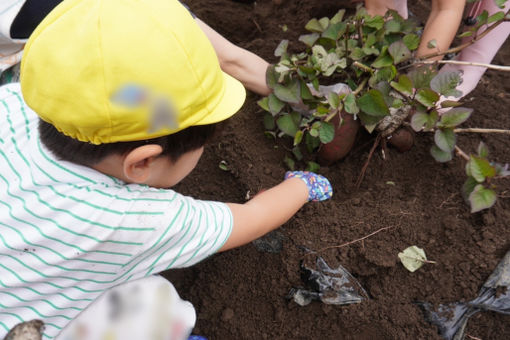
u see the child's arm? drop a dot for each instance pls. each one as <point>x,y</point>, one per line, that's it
<point>442,25</point>
<point>241,64</point>
<point>271,208</point>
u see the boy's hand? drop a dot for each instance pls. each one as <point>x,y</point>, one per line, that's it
<point>319,188</point>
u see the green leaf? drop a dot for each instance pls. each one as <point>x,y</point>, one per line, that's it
<point>314,26</point>
<point>445,139</point>
<point>481,198</point>
<point>368,121</point>
<point>392,26</point>
<point>291,165</point>
<point>496,17</point>
<point>370,40</point>
<point>270,134</point>
<point>450,103</point>
<point>281,49</point>
<point>298,137</point>
<point>290,93</point>
<point>223,166</point>
<point>314,132</point>
<point>433,118</point>
<point>334,31</point>
<point>427,97</point>
<point>418,121</point>
<point>446,83</point>
<point>482,18</point>
<point>465,34</point>
<point>385,74</point>
<point>315,83</point>
<point>297,117</point>
<point>432,43</point>
<point>324,22</point>
<point>454,117</point>
<point>311,142</point>
<point>326,132</point>
<point>312,166</point>
<point>287,125</point>
<point>399,51</point>
<point>309,39</point>
<point>468,187</point>
<point>350,104</point>
<point>338,16</point>
<point>333,100</point>
<point>373,104</point>
<point>404,85</point>
<point>412,258</point>
<point>421,76</point>
<point>480,168</point>
<point>269,123</point>
<point>271,77</point>
<point>440,155</point>
<point>306,94</point>
<point>500,3</point>
<point>397,103</point>
<point>275,105</point>
<point>376,22</point>
<point>412,41</point>
<point>357,54</point>
<point>296,151</point>
<point>263,103</point>
<point>383,60</point>
<point>482,150</point>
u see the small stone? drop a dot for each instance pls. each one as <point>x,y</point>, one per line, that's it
<point>356,201</point>
<point>227,314</point>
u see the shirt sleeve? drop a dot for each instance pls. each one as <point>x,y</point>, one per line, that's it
<point>186,231</point>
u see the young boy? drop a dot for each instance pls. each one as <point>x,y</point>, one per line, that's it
<point>127,92</point>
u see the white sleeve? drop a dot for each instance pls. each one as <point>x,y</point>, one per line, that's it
<point>187,232</point>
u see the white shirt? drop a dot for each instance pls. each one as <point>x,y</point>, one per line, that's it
<point>68,232</point>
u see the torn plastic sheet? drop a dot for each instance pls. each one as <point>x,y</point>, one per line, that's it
<point>451,319</point>
<point>330,286</point>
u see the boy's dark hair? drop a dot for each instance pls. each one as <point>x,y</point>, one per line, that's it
<point>83,153</point>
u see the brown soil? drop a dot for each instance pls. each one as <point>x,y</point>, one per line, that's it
<point>241,294</point>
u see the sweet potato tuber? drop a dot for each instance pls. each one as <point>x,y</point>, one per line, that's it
<point>342,143</point>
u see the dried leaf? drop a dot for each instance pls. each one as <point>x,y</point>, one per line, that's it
<point>412,258</point>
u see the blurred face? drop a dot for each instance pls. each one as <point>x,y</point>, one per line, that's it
<point>166,174</point>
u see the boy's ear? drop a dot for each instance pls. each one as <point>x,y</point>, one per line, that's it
<point>137,163</point>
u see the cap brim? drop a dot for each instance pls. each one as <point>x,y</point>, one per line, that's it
<point>232,100</point>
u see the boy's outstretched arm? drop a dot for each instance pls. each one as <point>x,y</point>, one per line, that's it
<point>245,66</point>
<point>271,208</point>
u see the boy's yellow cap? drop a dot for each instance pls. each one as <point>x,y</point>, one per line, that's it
<point>105,71</point>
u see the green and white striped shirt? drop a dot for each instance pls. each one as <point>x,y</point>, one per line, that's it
<point>68,232</point>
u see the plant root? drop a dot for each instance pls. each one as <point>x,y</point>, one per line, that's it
<point>364,169</point>
<point>353,241</point>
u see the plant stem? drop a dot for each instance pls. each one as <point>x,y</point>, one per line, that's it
<point>461,153</point>
<point>363,67</point>
<point>456,62</point>
<point>360,33</point>
<point>479,130</point>
<point>463,46</point>
<point>418,259</point>
<point>360,87</point>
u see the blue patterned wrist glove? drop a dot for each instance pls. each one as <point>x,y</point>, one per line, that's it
<point>319,188</point>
